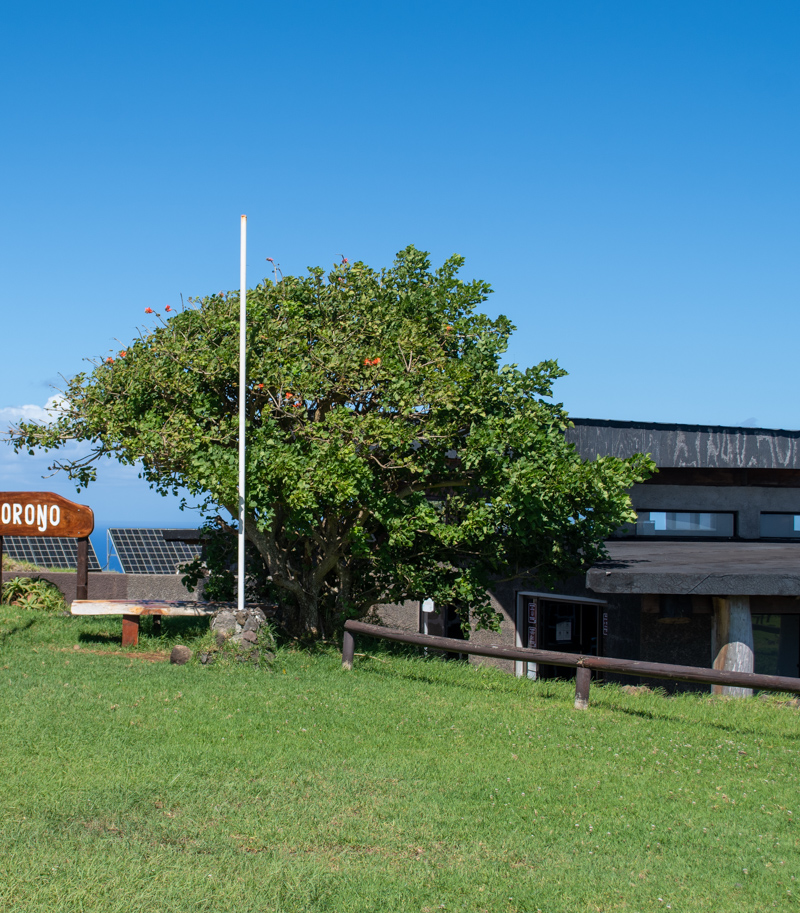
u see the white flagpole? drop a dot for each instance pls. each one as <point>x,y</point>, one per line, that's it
<point>242,402</point>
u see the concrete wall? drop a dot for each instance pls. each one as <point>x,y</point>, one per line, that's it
<point>503,600</point>
<point>682,644</point>
<point>405,617</point>
<point>109,585</point>
<point>747,502</point>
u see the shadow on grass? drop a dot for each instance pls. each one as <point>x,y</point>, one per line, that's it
<point>451,674</point>
<point>699,701</point>
<point>18,629</point>
<point>661,706</point>
<point>102,638</point>
<point>173,630</point>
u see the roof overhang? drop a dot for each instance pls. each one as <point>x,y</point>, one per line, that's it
<point>699,568</point>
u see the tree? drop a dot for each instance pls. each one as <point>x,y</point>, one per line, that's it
<point>390,453</point>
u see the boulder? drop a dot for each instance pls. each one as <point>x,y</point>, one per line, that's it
<point>180,655</point>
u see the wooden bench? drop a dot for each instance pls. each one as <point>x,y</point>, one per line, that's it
<point>132,610</point>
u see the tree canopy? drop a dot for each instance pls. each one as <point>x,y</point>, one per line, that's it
<point>390,453</point>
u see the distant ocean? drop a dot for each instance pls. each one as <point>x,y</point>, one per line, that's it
<point>99,539</point>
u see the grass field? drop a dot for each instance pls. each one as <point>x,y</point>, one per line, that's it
<point>406,785</point>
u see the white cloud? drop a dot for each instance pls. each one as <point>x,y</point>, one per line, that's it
<point>9,415</point>
<point>118,497</point>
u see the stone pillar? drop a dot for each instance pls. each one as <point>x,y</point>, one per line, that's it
<point>732,640</point>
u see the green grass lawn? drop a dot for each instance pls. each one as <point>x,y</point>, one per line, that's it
<point>405,785</point>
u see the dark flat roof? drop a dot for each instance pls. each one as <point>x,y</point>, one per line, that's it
<point>700,568</point>
<point>675,446</point>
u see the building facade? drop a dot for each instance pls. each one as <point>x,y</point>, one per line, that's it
<point>709,575</point>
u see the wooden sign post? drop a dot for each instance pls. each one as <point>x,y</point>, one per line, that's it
<point>40,513</point>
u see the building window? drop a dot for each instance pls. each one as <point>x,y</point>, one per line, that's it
<point>780,526</point>
<point>684,523</point>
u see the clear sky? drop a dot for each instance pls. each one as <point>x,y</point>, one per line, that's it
<point>625,174</point>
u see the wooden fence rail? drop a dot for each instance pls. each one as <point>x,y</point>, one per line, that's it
<point>584,664</point>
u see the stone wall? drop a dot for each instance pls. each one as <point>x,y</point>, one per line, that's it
<point>111,585</point>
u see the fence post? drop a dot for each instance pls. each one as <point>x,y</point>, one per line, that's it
<point>348,650</point>
<point>583,679</point>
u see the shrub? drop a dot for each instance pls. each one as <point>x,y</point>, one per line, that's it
<point>38,595</point>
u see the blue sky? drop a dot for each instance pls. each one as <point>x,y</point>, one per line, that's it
<point>625,174</point>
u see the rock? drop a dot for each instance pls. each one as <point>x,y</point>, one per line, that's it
<point>221,638</point>
<point>180,655</point>
<point>252,624</point>
<point>249,637</point>
<point>241,618</point>
<point>224,621</point>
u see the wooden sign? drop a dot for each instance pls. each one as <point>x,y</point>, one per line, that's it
<point>39,513</point>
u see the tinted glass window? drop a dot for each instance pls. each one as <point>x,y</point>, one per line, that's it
<point>780,526</point>
<point>683,523</point>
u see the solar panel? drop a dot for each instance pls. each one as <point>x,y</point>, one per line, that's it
<point>46,552</point>
<point>148,551</point>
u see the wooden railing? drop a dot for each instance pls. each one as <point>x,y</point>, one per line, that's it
<point>584,664</point>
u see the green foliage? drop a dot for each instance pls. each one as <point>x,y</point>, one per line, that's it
<point>390,453</point>
<point>38,595</point>
<point>217,567</point>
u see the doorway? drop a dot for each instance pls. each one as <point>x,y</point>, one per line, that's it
<point>567,624</point>
<point>776,644</point>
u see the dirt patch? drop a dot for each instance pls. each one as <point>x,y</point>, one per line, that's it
<point>155,656</point>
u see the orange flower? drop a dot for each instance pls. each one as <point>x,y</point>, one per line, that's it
<point>123,353</point>
<point>376,361</point>
<point>109,360</point>
<point>148,310</point>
